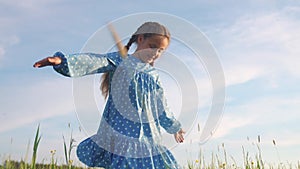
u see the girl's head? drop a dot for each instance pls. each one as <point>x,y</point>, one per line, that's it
<point>152,39</point>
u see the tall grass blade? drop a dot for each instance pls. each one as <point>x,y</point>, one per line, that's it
<point>35,147</point>
<point>26,154</point>
<point>259,159</point>
<point>65,151</point>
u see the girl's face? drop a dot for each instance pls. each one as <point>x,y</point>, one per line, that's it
<point>151,48</point>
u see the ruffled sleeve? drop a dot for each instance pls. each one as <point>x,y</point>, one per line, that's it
<point>166,117</point>
<point>81,64</point>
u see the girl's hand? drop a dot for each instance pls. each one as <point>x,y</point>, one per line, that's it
<point>48,61</point>
<point>179,136</point>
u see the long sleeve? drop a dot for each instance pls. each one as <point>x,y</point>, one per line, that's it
<point>166,117</point>
<point>81,64</point>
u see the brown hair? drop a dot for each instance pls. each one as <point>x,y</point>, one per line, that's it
<point>148,29</point>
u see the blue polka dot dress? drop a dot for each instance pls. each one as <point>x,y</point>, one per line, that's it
<point>129,135</point>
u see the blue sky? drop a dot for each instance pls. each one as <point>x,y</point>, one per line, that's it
<point>256,41</point>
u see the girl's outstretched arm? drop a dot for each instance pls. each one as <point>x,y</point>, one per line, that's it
<point>48,61</point>
<point>81,64</point>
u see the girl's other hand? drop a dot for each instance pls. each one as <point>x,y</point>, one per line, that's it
<point>179,136</point>
<point>48,61</point>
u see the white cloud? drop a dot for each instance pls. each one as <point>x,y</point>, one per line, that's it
<point>229,123</point>
<point>266,111</point>
<point>287,139</point>
<point>263,29</point>
<point>29,5</point>
<point>241,74</point>
<point>9,40</point>
<point>2,52</point>
<point>260,45</point>
<point>27,104</point>
<point>253,117</point>
<point>12,40</point>
<point>273,110</point>
<point>6,41</point>
<point>255,47</point>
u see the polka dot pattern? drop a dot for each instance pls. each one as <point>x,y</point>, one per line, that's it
<point>129,135</point>
<point>81,64</point>
<point>93,155</point>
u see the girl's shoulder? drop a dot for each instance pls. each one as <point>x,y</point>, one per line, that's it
<point>135,66</point>
<point>114,57</point>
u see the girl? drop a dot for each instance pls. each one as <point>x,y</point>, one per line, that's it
<point>129,135</point>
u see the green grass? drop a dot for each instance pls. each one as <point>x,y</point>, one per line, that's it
<point>8,164</point>
<point>35,148</point>
<point>68,150</point>
<point>22,164</point>
<point>220,160</point>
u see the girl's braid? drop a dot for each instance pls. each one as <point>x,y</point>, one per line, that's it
<point>105,77</point>
<point>131,41</point>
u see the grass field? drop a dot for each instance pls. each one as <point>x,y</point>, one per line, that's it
<point>219,160</point>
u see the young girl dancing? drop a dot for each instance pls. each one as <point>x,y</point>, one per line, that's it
<point>129,135</point>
